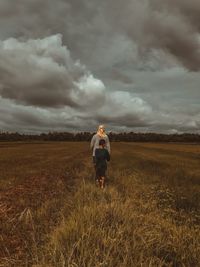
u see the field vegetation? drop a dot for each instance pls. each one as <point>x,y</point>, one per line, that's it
<point>52,214</point>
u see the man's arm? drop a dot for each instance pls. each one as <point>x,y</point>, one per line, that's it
<point>92,142</point>
<point>108,144</point>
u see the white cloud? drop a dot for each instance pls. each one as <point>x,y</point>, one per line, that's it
<point>90,91</point>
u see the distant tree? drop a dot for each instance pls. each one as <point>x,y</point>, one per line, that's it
<point>114,137</point>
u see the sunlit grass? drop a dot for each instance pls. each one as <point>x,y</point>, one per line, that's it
<point>52,214</point>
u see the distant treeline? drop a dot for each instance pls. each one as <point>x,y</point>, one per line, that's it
<point>86,136</point>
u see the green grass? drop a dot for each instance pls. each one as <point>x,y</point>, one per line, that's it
<point>52,214</point>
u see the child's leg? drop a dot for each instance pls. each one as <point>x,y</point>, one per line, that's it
<point>97,181</point>
<point>103,175</point>
<point>102,185</point>
<point>98,176</point>
<point>100,182</point>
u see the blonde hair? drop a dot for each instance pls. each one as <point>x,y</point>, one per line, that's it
<point>98,131</point>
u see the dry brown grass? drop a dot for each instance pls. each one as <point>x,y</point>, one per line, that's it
<point>53,215</point>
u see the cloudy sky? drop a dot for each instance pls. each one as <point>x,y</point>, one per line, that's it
<point>70,65</point>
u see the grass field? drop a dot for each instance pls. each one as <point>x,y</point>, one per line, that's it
<point>52,214</point>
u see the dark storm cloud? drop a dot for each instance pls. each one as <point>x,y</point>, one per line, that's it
<point>32,18</point>
<point>120,110</point>
<point>30,119</point>
<point>41,73</point>
<point>73,64</point>
<point>117,75</point>
<point>153,25</point>
<point>127,120</point>
<point>188,9</point>
<point>171,26</point>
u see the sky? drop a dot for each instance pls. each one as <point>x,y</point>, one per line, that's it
<point>70,65</point>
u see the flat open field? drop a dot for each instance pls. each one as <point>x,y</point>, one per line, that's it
<point>52,214</point>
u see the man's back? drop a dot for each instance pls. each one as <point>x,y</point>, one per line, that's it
<point>94,144</point>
